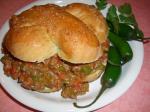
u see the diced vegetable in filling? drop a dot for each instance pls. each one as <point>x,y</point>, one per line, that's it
<point>52,75</point>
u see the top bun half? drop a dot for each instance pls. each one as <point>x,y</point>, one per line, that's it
<point>43,31</point>
<point>92,17</point>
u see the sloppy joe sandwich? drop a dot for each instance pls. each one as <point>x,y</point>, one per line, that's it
<point>49,48</point>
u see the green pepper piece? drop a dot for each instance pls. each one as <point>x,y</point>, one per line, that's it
<point>86,69</point>
<point>113,56</point>
<point>122,46</point>
<point>111,75</point>
<point>112,17</point>
<point>101,4</point>
<point>61,68</point>
<point>128,33</point>
<point>125,9</point>
<point>109,78</point>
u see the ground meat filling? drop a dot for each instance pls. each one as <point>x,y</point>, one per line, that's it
<point>52,75</point>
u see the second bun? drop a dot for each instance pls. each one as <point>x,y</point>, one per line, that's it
<point>42,31</point>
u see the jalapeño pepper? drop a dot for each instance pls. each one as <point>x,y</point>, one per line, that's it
<point>110,76</point>
<point>113,57</point>
<point>122,46</point>
<point>128,33</point>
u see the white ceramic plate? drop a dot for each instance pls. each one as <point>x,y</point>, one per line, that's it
<point>54,102</point>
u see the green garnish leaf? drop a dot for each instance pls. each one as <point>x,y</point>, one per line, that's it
<point>125,9</point>
<point>127,17</point>
<point>128,20</point>
<point>101,4</point>
<point>113,18</point>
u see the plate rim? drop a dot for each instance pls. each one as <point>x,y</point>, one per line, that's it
<point>93,107</point>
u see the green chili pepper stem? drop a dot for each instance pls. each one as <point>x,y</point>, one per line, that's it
<point>100,93</point>
<point>142,39</point>
<point>146,38</point>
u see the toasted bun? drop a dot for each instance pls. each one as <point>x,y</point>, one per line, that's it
<point>27,44</point>
<point>95,22</point>
<point>91,17</point>
<point>42,31</point>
